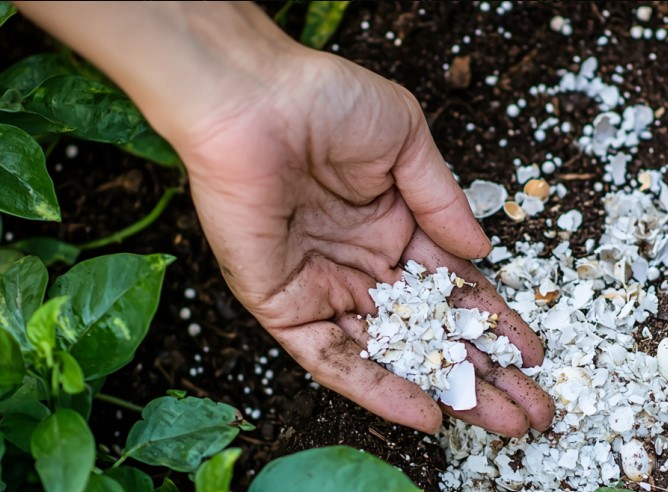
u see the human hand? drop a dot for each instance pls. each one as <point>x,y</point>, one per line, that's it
<point>313,179</point>
<point>323,186</point>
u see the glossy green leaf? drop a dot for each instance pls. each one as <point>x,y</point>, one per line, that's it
<point>102,483</point>
<point>31,71</point>
<point>167,486</point>
<point>149,145</point>
<point>49,250</point>
<point>131,479</point>
<point>64,452</point>
<point>42,327</point>
<point>18,424</point>
<point>71,375</point>
<point>612,489</point>
<point>30,390</point>
<point>22,288</point>
<point>7,9</point>
<point>113,301</point>
<point>27,189</point>
<point>331,469</point>
<point>95,111</point>
<point>31,123</point>
<point>180,434</point>
<point>322,21</point>
<point>215,475</point>
<point>81,402</point>
<point>7,257</point>
<point>12,368</point>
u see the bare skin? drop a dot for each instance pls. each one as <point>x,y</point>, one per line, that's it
<point>313,179</point>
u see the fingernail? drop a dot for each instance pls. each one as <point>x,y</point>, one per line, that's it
<point>487,248</point>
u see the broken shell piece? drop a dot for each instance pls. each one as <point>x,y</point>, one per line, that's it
<point>635,460</point>
<point>514,211</point>
<point>485,198</point>
<point>537,188</point>
<point>645,180</point>
<point>589,270</point>
<point>662,358</point>
<point>570,221</point>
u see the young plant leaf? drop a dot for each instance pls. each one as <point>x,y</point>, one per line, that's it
<point>331,469</point>
<point>322,21</point>
<point>22,288</point>
<point>215,475</point>
<point>95,111</point>
<point>167,486</point>
<point>27,189</point>
<point>48,249</point>
<point>7,257</point>
<point>42,327</point>
<point>71,375</point>
<point>113,300</point>
<point>131,479</point>
<point>19,424</point>
<point>7,9</point>
<point>180,434</point>
<point>64,452</point>
<point>30,390</point>
<point>149,145</point>
<point>102,483</point>
<point>12,368</point>
<point>31,71</point>
<point>81,402</point>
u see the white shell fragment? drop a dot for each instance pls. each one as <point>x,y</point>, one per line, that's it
<point>662,358</point>
<point>570,221</point>
<point>485,198</point>
<point>635,460</point>
<point>417,335</point>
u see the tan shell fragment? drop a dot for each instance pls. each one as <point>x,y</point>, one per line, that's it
<point>549,297</point>
<point>537,188</point>
<point>514,211</point>
<point>589,270</point>
<point>645,180</point>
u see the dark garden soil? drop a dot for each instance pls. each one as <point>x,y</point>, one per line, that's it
<point>232,359</point>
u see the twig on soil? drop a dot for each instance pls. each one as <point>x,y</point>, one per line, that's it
<point>374,432</point>
<point>576,176</point>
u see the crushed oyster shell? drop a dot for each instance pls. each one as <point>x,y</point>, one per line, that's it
<point>418,335</point>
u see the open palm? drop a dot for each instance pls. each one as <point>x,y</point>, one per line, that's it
<point>318,188</point>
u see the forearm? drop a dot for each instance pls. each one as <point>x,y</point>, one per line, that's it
<point>167,55</point>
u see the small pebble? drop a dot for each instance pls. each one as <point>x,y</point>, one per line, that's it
<point>513,110</point>
<point>455,49</point>
<point>557,23</point>
<point>660,34</point>
<point>548,167</point>
<point>567,30</point>
<point>598,187</point>
<point>273,352</point>
<point>194,329</point>
<point>189,293</point>
<point>484,7</point>
<point>71,151</point>
<point>491,80</point>
<point>9,236</point>
<point>364,25</point>
<point>539,135</point>
<point>644,13</point>
<point>636,32</point>
<point>389,35</point>
<point>185,313</point>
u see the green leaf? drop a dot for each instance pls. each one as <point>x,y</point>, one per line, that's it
<point>27,189</point>
<point>322,20</point>
<point>49,250</point>
<point>131,479</point>
<point>31,123</point>
<point>12,368</point>
<point>179,434</point>
<point>41,329</point>
<point>71,375</point>
<point>95,111</point>
<point>612,489</point>
<point>102,483</point>
<point>22,289</point>
<point>30,390</point>
<point>3,485</point>
<point>7,9</point>
<point>178,394</point>
<point>331,469</point>
<point>113,300</point>
<point>19,424</point>
<point>79,402</point>
<point>7,257</point>
<point>31,71</point>
<point>215,475</point>
<point>167,486</point>
<point>64,452</point>
<point>149,145</point>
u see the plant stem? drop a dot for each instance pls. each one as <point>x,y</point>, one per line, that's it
<point>279,18</point>
<point>52,145</point>
<point>138,226</point>
<point>118,402</point>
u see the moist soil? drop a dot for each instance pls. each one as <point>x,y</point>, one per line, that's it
<point>203,341</point>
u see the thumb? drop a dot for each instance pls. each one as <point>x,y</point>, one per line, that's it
<point>436,200</point>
